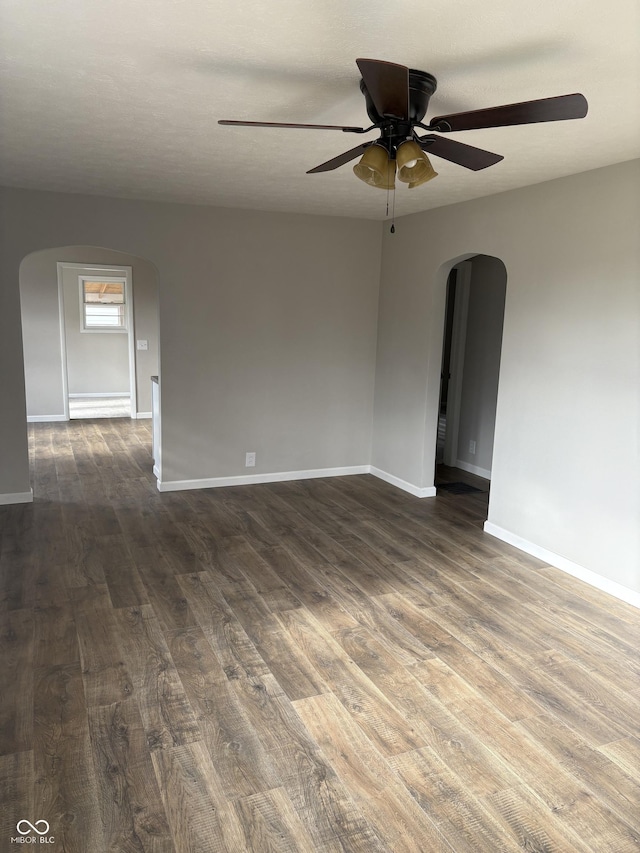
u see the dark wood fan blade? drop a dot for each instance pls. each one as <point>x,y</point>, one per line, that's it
<point>527,112</point>
<point>388,85</point>
<point>280,124</point>
<point>341,159</point>
<point>457,152</point>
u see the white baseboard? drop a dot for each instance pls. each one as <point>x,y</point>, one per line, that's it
<point>17,498</point>
<point>416,491</point>
<point>473,469</point>
<point>156,474</point>
<point>101,394</point>
<point>251,479</point>
<point>45,419</point>
<point>143,415</point>
<point>565,565</point>
<point>282,476</point>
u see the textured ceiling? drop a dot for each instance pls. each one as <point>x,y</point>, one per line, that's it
<point>122,98</point>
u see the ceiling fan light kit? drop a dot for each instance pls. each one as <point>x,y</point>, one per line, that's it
<point>397,99</point>
<point>414,167</point>
<point>376,168</point>
<point>424,175</point>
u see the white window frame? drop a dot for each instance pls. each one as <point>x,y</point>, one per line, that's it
<point>101,330</point>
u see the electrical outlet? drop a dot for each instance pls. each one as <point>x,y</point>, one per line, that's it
<point>250,460</point>
<point>142,344</point>
<point>472,447</point>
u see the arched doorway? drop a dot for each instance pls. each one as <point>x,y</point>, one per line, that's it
<point>43,276</point>
<point>467,405</point>
<point>52,285</point>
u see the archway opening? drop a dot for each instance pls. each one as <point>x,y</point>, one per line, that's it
<point>73,358</point>
<point>472,325</point>
<point>64,357</point>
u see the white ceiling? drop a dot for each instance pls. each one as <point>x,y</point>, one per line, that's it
<point>122,98</point>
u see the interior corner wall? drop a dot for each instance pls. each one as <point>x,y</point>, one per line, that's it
<point>566,462</point>
<point>268,326</point>
<point>42,350</point>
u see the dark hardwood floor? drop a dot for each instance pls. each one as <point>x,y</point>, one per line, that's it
<point>325,665</point>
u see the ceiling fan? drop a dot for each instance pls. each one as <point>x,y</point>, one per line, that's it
<point>396,99</point>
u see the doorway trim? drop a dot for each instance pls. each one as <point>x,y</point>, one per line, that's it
<point>125,272</point>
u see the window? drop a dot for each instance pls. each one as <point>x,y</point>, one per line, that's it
<point>102,304</point>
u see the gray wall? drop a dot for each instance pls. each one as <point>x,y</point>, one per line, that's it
<point>97,362</point>
<point>565,468</point>
<point>41,335</point>
<point>41,323</point>
<point>482,362</point>
<point>268,328</point>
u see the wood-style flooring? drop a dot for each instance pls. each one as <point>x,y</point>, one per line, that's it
<point>325,665</point>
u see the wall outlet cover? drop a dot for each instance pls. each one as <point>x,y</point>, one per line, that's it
<point>142,344</point>
<point>250,460</point>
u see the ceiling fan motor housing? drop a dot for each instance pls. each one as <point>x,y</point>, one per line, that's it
<point>421,86</point>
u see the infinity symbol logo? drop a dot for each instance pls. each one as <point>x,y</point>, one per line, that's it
<point>32,828</point>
